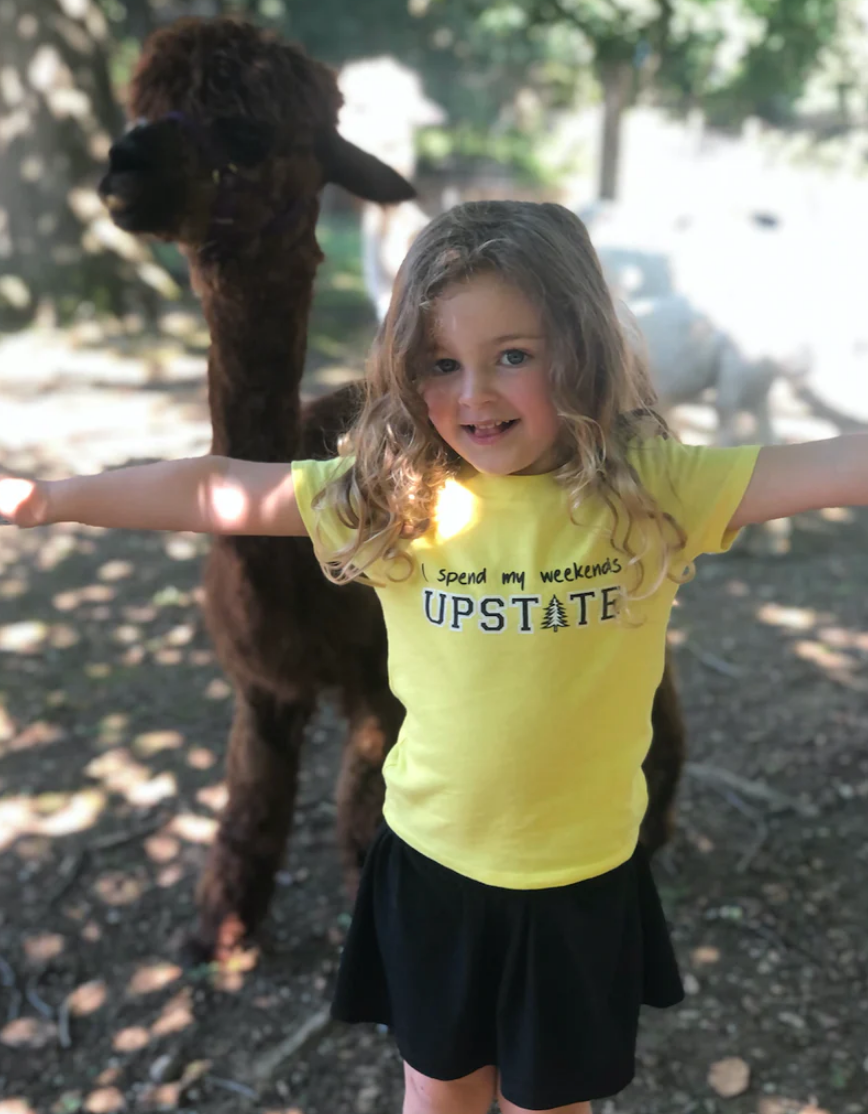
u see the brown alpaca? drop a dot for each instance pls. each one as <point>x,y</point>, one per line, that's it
<point>236,140</point>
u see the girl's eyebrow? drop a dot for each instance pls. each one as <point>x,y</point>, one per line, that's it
<point>517,336</point>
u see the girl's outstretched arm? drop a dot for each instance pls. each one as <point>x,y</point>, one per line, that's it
<point>789,479</point>
<point>207,494</point>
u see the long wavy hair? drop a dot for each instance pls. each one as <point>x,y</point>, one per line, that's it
<point>599,383</point>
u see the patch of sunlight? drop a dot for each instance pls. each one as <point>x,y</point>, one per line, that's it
<point>151,977</point>
<point>455,509</point>
<point>192,828</point>
<point>88,998</point>
<point>135,655</point>
<point>75,597</point>
<point>345,280</point>
<point>20,817</point>
<point>838,514</point>
<point>824,656</point>
<point>170,596</point>
<point>737,588</point>
<point>139,614</point>
<point>792,618</point>
<point>14,290</point>
<point>705,955</point>
<point>777,1104</point>
<point>218,689</point>
<point>13,587</point>
<point>201,657</point>
<point>180,547</point>
<point>13,124</point>
<point>97,670</point>
<point>38,734</point>
<point>7,726</point>
<point>213,796</point>
<point>112,727</point>
<point>105,1100</point>
<point>56,549</point>
<point>118,770</point>
<point>179,635</point>
<point>177,1014</point>
<point>115,570</point>
<point>841,638</point>
<point>44,947</point>
<point>152,742</point>
<point>16,1106</point>
<point>170,875</point>
<point>160,788</point>
<point>338,375</point>
<point>31,168</point>
<point>127,634</point>
<point>168,656</point>
<point>132,1039</point>
<point>676,637</point>
<point>162,848</point>
<point>25,637</point>
<point>115,888</point>
<point>120,773</point>
<point>28,1032</point>
<point>200,758</point>
<point>327,345</point>
<point>63,637</point>
<point>11,86</point>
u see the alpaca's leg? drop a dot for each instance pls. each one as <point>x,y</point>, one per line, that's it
<point>261,774</point>
<point>663,763</point>
<point>374,724</point>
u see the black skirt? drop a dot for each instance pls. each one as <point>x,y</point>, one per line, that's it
<point>544,984</point>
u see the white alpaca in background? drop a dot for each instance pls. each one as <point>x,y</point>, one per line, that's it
<point>384,105</point>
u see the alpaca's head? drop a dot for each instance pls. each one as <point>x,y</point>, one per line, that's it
<point>234,134</point>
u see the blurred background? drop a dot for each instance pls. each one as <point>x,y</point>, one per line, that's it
<point>718,151</point>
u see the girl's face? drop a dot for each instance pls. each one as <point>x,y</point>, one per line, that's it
<point>487,389</point>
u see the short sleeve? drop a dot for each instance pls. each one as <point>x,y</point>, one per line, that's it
<point>309,478</point>
<point>700,486</point>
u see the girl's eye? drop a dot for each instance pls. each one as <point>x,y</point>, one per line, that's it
<point>515,357</point>
<point>445,366</point>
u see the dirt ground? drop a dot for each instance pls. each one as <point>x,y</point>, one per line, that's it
<point>113,723</point>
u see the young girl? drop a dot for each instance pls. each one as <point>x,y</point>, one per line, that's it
<point>511,494</point>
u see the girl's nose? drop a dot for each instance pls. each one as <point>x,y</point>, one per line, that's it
<point>476,386</point>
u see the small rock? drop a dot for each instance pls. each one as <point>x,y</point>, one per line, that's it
<point>729,1077</point>
<point>165,1068</point>
<point>691,984</point>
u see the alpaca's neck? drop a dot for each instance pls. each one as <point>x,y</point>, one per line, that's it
<point>257,311</point>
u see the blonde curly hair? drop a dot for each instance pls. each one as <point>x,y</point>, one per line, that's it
<point>599,382</point>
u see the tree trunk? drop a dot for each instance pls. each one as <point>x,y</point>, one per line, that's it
<point>58,249</point>
<point>616,78</point>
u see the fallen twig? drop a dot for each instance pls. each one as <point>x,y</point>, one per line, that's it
<point>7,975</point>
<point>757,789</point>
<point>38,1003</point>
<point>68,871</point>
<point>231,1085</point>
<point>118,839</point>
<point>63,1034</point>
<point>714,662</point>
<point>315,1027</point>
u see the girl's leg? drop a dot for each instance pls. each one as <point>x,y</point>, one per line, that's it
<point>472,1094</point>
<point>573,1108</point>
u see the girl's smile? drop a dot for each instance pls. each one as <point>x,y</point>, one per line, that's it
<point>487,391</point>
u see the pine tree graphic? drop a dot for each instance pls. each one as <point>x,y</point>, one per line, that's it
<point>555,616</point>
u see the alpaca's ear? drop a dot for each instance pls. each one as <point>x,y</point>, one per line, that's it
<point>246,142</point>
<point>362,174</point>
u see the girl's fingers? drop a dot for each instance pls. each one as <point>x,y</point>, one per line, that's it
<point>15,495</point>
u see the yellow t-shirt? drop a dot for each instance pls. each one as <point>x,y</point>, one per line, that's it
<point>528,702</point>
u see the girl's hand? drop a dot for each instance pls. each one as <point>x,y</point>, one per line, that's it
<point>23,502</point>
